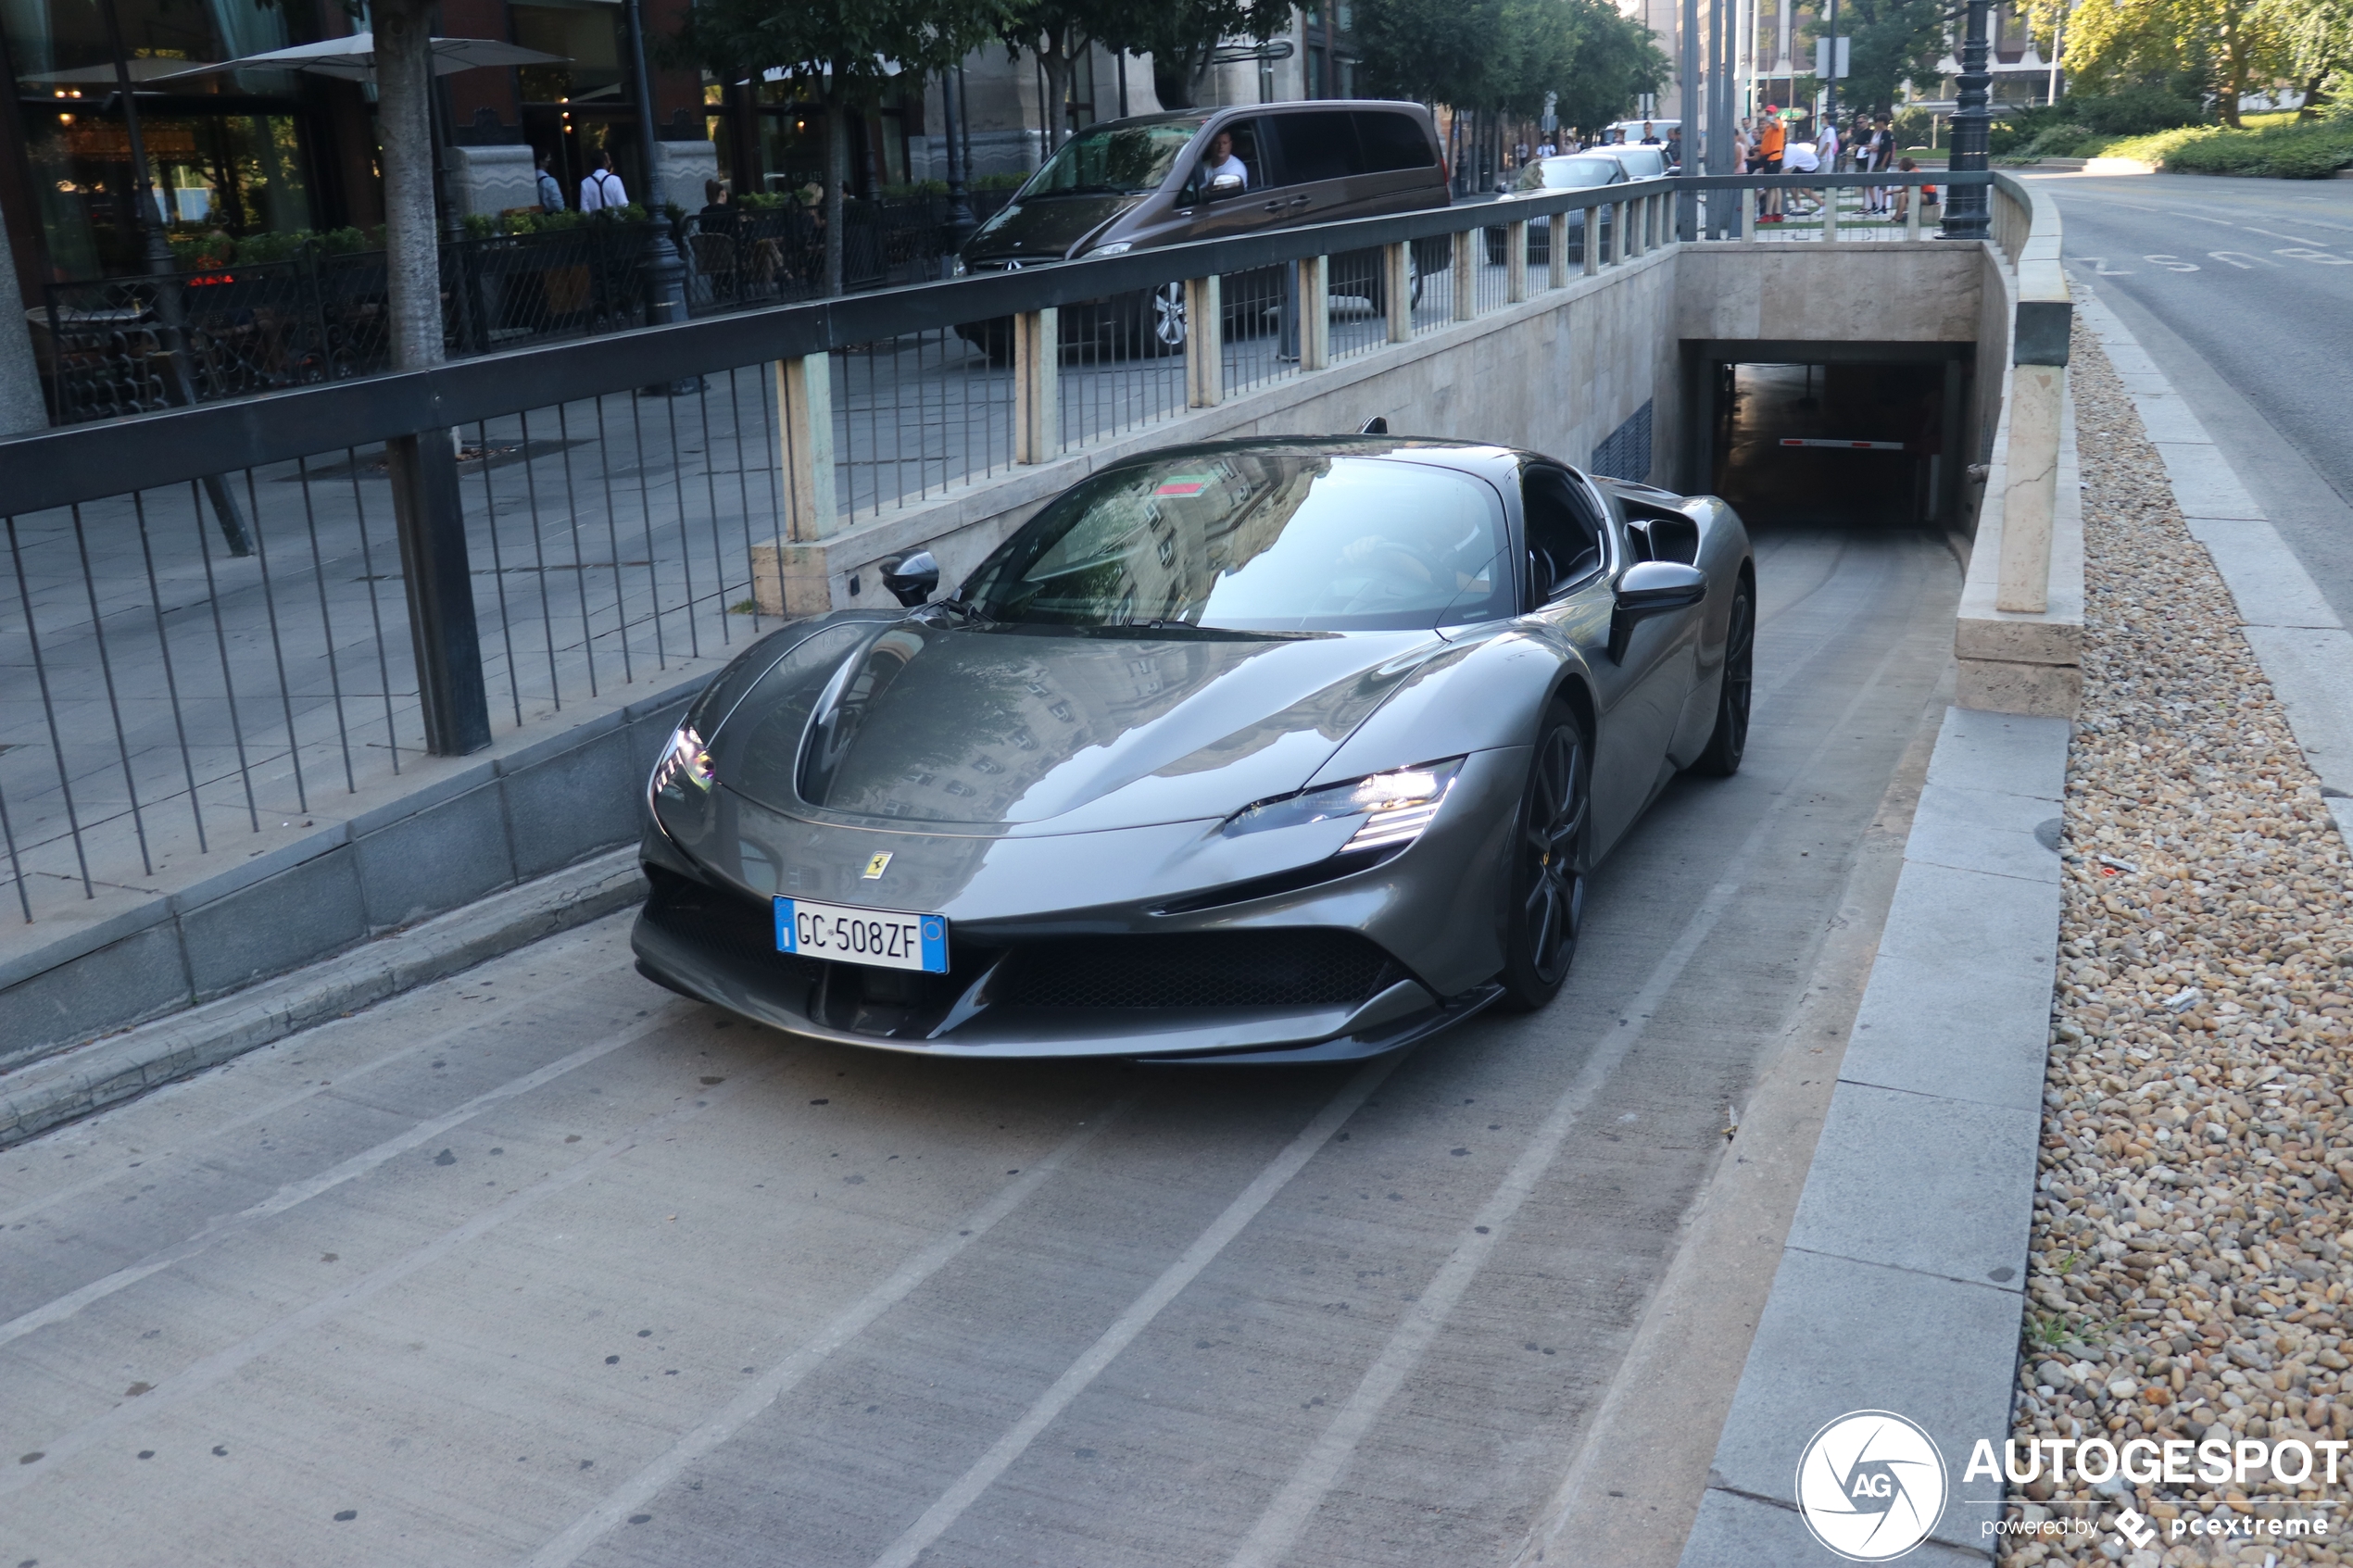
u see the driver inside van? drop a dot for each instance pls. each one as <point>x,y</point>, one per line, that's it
<point>1220,161</point>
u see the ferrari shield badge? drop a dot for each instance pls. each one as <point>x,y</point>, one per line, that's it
<point>876,866</point>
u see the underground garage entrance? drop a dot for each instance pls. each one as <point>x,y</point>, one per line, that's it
<point>1825,433</point>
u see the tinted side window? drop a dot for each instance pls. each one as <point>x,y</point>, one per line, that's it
<point>1392,142</point>
<point>1319,145</point>
<point>1564,534</point>
<point>1250,145</point>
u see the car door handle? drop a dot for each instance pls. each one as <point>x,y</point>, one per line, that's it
<point>1300,201</point>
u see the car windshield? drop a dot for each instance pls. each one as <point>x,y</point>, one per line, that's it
<point>1567,174</point>
<point>1119,160</point>
<point>1256,542</point>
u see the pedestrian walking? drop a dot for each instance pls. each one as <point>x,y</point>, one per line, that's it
<point>1674,148</point>
<point>602,190</point>
<point>551,195</point>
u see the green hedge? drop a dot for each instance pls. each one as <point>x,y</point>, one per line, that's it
<point>2313,151</point>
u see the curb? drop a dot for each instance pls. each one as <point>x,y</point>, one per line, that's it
<point>106,1073</point>
<point>1901,1282</point>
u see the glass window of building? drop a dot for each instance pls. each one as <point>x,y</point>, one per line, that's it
<point>226,152</point>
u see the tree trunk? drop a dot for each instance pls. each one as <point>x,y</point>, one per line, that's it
<point>1174,74</point>
<point>837,174</point>
<point>1054,110</point>
<point>404,119</point>
<point>2234,69</point>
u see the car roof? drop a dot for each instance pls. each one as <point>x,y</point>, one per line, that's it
<point>1486,459</point>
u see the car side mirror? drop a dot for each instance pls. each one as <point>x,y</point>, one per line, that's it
<point>1648,588</point>
<point>914,580</point>
<point>1223,186</point>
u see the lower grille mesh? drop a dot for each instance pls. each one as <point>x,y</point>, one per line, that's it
<point>1220,969</point>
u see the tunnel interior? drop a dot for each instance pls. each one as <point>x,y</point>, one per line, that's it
<point>1822,434</point>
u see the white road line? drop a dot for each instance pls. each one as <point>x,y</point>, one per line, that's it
<point>1279,1525</point>
<point>342,1078</point>
<point>212,1371</point>
<point>287,1196</point>
<point>941,1516</point>
<point>2292,239</point>
<point>777,1380</point>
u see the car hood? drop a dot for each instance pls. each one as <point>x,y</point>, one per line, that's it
<point>1043,228</point>
<point>997,730</point>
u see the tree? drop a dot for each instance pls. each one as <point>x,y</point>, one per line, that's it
<point>404,124</point>
<point>1890,42</point>
<point>850,51</point>
<point>1181,36</point>
<point>1439,51</point>
<point>1058,32</point>
<point>1616,61</point>
<point>1507,55</point>
<point>2227,48</point>
<point>2317,38</point>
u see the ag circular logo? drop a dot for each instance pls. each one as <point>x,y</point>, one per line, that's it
<point>1871,1485</point>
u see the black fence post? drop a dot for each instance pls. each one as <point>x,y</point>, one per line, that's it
<point>432,522</point>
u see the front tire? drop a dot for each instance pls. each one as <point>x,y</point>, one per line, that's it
<point>1728,742</point>
<point>1156,322</point>
<point>1545,876</point>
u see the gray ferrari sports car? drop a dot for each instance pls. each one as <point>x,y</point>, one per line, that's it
<point>1272,750</point>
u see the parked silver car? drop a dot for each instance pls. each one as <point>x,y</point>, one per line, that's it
<point>1272,750</point>
<point>1569,171</point>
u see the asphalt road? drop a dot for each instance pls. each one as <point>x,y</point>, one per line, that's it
<point>2241,290</point>
<point>547,1265</point>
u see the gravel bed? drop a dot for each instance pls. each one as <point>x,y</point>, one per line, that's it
<point>2193,1233</point>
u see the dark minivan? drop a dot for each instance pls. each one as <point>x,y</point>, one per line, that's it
<point>1137,183</point>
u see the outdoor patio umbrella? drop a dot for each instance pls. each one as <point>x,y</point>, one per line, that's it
<point>354,58</point>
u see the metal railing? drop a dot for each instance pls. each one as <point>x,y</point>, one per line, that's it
<point>318,315</point>
<point>441,556</point>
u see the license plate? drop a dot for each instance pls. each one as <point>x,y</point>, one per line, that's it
<point>883,938</point>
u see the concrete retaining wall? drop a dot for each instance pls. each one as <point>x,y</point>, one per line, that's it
<point>480,824</point>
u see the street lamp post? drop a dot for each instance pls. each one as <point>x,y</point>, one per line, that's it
<point>1965,206</point>
<point>665,273</point>
<point>960,206</point>
<point>170,332</point>
<point>1687,105</point>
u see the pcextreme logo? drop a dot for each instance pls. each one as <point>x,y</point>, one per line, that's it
<point>1871,1485</point>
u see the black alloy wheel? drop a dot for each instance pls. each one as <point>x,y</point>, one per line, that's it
<point>1730,740</point>
<point>1547,865</point>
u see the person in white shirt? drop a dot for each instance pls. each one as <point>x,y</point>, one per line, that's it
<point>1220,161</point>
<point>1800,158</point>
<point>602,188</point>
<point>1547,149</point>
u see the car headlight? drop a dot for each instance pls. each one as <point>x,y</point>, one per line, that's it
<point>1117,248</point>
<point>1395,806</point>
<point>683,772</point>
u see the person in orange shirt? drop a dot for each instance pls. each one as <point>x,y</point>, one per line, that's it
<point>1770,141</point>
